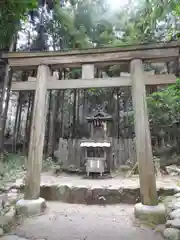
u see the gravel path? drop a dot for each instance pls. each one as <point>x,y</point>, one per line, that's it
<point>79,222</point>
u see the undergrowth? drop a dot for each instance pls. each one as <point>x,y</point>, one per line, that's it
<point>14,167</point>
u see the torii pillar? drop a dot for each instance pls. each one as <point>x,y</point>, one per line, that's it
<point>32,204</point>
<point>148,209</point>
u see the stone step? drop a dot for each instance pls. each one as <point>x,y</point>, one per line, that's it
<point>73,189</point>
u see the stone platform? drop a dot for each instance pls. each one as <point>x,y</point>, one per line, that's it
<point>76,189</point>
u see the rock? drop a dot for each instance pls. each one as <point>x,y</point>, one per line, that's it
<point>78,195</point>
<point>30,208</point>
<point>177,195</point>
<point>57,169</point>
<point>177,189</point>
<point>7,220</point>
<point>1,232</point>
<point>64,193</point>
<point>174,205</point>
<point>171,234</point>
<point>11,214</point>
<point>173,223</point>
<point>175,214</point>
<point>160,228</point>
<point>173,170</point>
<point>12,197</point>
<point>151,214</point>
<point>124,168</point>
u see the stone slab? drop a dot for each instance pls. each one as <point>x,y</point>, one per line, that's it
<point>151,214</point>
<point>29,208</point>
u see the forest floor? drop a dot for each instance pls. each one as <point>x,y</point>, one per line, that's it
<point>15,169</point>
<point>63,221</point>
<point>73,180</point>
<point>79,222</point>
<point>74,185</point>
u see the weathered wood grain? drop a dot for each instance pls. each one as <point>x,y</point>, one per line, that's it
<point>32,190</point>
<point>94,56</point>
<point>53,83</point>
<point>143,140</point>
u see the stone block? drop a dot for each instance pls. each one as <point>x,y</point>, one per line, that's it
<point>151,214</point>
<point>29,208</point>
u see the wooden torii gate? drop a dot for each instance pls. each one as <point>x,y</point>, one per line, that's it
<point>135,56</point>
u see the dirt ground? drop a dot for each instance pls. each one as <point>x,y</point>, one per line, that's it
<point>48,179</point>
<point>79,222</point>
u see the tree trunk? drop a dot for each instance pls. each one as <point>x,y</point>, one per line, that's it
<point>15,124</point>
<point>74,114</point>
<point>4,108</point>
<point>85,105</point>
<point>118,116</point>
<point>51,139</point>
<point>77,105</point>
<point>58,107</point>
<point>62,114</point>
<point>27,124</point>
<point>16,133</point>
<point>30,119</point>
<point>47,124</point>
<point>5,100</point>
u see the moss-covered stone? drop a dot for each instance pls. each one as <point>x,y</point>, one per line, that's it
<point>152,214</point>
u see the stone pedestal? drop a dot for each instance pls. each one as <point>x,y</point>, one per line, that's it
<point>29,208</point>
<point>151,214</point>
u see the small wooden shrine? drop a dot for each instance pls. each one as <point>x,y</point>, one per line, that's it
<point>97,149</point>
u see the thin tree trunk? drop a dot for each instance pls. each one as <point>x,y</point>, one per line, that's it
<point>27,123</point>
<point>57,122</point>
<point>47,124</point>
<point>118,116</point>
<point>16,123</point>
<point>61,103</point>
<point>62,114</point>
<point>30,119</point>
<point>77,105</point>
<point>58,107</point>
<point>4,108</point>
<point>5,100</point>
<point>51,139</point>
<point>85,104</point>
<point>19,121</point>
<point>74,113</point>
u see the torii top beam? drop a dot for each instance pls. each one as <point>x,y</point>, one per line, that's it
<point>146,52</point>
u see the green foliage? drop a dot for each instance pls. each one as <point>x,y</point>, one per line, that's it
<point>14,167</point>
<point>165,100</point>
<point>11,12</point>
<point>164,110</point>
